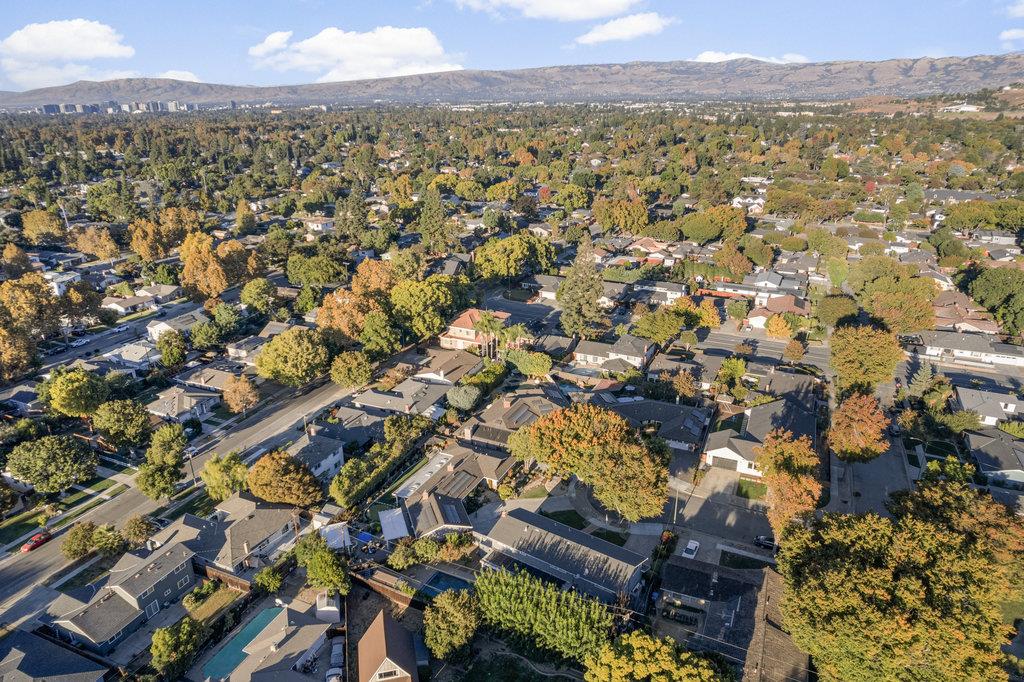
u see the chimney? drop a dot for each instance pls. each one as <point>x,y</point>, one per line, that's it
<point>424,495</point>
<point>451,468</point>
<point>245,548</point>
<point>504,513</point>
<point>507,403</point>
<point>467,432</point>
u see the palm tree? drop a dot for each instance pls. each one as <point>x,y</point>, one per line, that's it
<point>489,327</point>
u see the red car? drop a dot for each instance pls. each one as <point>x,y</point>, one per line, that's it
<point>37,540</point>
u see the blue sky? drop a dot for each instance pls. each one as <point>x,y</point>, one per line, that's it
<point>266,42</point>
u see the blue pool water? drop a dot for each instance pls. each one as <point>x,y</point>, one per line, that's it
<point>440,582</point>
<point>227,659</point>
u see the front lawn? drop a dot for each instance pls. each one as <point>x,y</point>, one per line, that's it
<point>611,536</point>
<point>569,517</point>
<point>751,490</point>
<point>199,505</point>
<point>20,524</point>
<point>90,573</point>
<point>731,560</point>
<point>521,295</point>
<point>537,492</point>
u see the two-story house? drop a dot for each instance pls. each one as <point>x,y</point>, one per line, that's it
<point>139,586</point>
<point>462,333</point>
<point>182,324</point>
<point>627,352</point>
<point>322,454</point>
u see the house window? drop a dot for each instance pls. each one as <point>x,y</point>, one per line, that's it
<point>167,592</point>
<point>146,593</point>
<point>181,583</point>
<point>181,568</point>
<point>386,674</point>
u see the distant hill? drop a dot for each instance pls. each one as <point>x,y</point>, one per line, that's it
<point>741,79</point>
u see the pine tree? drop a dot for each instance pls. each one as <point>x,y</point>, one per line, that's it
<point>433,222</point>
<point>922,380</point>
<point>580,292</point>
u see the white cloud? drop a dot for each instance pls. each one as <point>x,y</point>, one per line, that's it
<point>52,53</point>
<point>626,28</point>
<point>715,56</point>
<point>277,40</point>
<point>339,55</point>
<point>560,10</point>
<point>1016,10</point>
<point>1010,38</point>
<point>179,75</point>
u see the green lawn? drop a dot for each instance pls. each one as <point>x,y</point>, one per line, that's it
<point>751,490</point>
<point>611,536</point>
<point>521,295</point>
<point>215,603</point>
<point>16,526</point>
<point>1012,610</point>
<point>114,465</point>
<point>82,508</point>
<point>96,485</point>
<point>199,505</point>
<point>90,574</point>
<point>567,516</point>
<point>730,560</point>
<point>734,422</point>
<point>537,492</point>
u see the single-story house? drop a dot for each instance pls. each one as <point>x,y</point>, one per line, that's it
<point>999,456</point>
<point>181,403</point>
<point>182,324</point>
<point>566,555</point>
<point>740,450</point>
<point>991,407</point>
<point>386,652</point>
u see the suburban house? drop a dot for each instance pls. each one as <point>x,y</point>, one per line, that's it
<point>546,286</point>
<point>182,324</point>
<point>956,311</point>
<point>322,454</point>
<point>124,306</point>
<point>60,281</point>
<point>444,366</point>
<point>656,293</point>
<point>462,333</point>
<point>433,515</point>
<point>241,534</point>
<point>245,350</point>
<point>356,427</point>
<point>137,355</point>
<point>208,377</point>
<point>161,292</point>
<point>456,471</point>
<point>28,657</point>
<point>284,647</point>
<point>386,652</point>
<point>628,352</point>
<point>680,426</point>
<point>739,450</point>
<point>22,398</point>
<point>140,584</point>
<point>510,412</point>
<point>409,397</point>
<point>999,456</point>
<point>563,554</point>
<point>181,403</point>
<point>968,349</point>
<point>991,407</point>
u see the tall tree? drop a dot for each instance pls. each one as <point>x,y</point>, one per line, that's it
<point>279,477</point>
<point>294,357</point>
<point>433,225</point>
<point>77,393</point>
<point>240,394</point>
<point>450,621</point>
<point>224,476</point>
<point>639,657</point>
<point>52,464</point>
<point>124,422</point>
<point>790,467</point>
<point>858,428</point>
<point>161,471</point>
<point>580,293</point>
<point>864,357</point>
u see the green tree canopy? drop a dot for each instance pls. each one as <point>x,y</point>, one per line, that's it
<point>52,464</point>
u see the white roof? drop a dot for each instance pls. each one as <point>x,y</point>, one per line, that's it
<point>336,535</point>
<point>392,524</point>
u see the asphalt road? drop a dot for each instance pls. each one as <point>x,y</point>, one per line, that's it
<point>274,424</point>
<point>725,342</point>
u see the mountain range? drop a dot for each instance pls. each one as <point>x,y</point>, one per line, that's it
<point>740,79</point>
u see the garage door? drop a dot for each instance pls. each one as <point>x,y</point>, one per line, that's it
<point>724,463</point>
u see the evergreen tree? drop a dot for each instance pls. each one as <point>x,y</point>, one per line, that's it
<point>922,380</point>
<point>580,292</point>
<point>432,224</point>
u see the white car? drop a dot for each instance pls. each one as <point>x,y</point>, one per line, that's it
<point>691,550</point>
<point>120,328</point>
<point>78,343</point>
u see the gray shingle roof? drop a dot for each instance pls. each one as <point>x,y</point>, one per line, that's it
<point>25,656</point>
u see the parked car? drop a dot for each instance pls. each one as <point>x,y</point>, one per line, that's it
<point>37,540</point>
<point>765,541</point>
<point>691,549</point>
<point>120,328</point>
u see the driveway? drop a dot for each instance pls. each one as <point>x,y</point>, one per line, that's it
<point>714,509</point>
<point>873,482</point>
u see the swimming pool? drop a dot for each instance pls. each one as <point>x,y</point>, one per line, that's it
<point>231,655</point>
<point>441,582</point>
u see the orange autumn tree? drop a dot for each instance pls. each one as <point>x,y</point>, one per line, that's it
<point>858,429</point>
<point>603,451</point>
<point>789,467</point>
<point>345,311</point>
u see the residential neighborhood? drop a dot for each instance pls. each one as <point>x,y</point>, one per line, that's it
<point>512,392</point>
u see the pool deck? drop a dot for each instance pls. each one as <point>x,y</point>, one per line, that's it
<point>289,592</point>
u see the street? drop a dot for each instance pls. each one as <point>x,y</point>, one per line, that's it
<point>272,425</point>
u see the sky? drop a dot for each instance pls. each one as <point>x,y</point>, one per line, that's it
<point>275,42</point>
